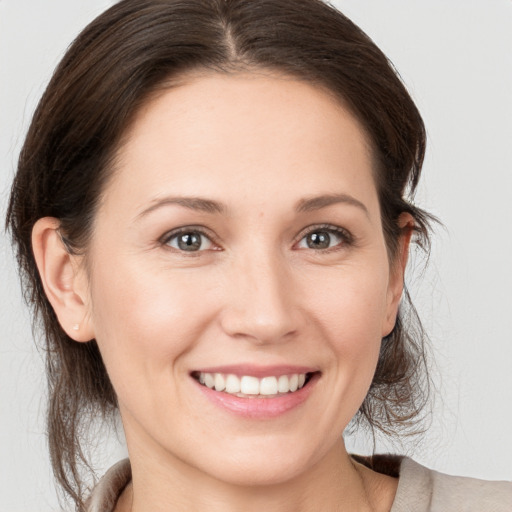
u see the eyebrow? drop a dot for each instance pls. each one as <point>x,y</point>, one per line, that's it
<point>323,201</point>
<point>211,206</point>
<point>192,203</point>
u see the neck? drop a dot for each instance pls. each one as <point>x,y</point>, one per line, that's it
<point>336,482</point>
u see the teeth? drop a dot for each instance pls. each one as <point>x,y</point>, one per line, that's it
<point>220,382</point>
<point>268,386</point>
<point>283,384</point>
<point>209,380</point>
<point>248,385</point>
<point>232,384</point>
<point>294,382</point>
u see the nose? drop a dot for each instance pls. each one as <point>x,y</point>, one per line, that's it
<point>260,300</point>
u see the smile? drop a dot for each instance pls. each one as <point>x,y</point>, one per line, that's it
<point>248,386</point>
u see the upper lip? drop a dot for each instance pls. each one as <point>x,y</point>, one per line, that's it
<point>257,371</point>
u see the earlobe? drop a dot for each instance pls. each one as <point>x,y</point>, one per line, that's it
<point>63,279</point>
<point>397,272</point>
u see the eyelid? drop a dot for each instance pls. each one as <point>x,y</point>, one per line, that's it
<point>338,230</point>
<point>331,228</point>
<point>165,238</point>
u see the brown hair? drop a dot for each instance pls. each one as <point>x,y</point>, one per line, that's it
<point>113,66</point>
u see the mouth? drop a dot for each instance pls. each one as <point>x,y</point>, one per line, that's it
<point>250,386</point>
<point>257,393</point>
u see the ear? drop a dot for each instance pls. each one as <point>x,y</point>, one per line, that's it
<point>64,280</point>
<point>397,271</point>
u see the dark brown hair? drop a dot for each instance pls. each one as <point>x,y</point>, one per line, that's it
<point>115,64</point>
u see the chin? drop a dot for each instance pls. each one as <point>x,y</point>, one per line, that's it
<point>272,465</point>
<point>262,473</point>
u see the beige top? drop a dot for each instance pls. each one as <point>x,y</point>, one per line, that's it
<point>419,489</point>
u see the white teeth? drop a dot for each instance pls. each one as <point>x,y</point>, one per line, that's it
<point>294,382</point>
<point>283,384</point>
<point>248,385</point>
<point>209,380</point>
<point>268,386</point>
<point>232,384</point>
<point>220,382</point>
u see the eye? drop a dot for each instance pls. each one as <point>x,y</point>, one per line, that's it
<point>322,238</point>
<point>188,240</point>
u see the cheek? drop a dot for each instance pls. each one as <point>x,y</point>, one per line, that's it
<point>351,311</point>
<point>144,322</point>
<point>352,303</point>
<point>356,336</point>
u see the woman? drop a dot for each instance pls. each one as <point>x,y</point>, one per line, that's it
<point>211,218</point>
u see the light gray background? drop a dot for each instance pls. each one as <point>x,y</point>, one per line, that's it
<point>456,58</point>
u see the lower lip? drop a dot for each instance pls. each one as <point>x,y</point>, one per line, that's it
<point>259,408</point>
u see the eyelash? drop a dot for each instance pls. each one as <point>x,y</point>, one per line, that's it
<point>346,237</point>
<point>166,239</point>
<point>343,234</point>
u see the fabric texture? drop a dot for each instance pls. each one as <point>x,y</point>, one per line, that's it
<point>424,490</point>
<point>419,489</point>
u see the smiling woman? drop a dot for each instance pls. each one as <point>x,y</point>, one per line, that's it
<point>212,220</point>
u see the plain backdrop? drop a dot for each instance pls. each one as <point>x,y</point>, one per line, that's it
<point>455,56</point>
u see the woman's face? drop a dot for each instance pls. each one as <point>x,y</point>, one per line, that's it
<point>239,243</point>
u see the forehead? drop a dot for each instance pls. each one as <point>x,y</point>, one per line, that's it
<point>254,134</point>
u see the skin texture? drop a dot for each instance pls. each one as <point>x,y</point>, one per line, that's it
<point>255,293</point>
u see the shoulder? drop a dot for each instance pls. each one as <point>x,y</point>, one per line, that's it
<point>425,490</point>
<point>105,494</point>
<point>419,489</point>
